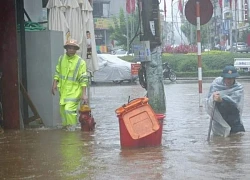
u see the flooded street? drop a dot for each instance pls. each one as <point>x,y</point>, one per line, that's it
<point>185,154</point>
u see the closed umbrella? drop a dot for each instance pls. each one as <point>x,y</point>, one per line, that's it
<point>57,20</point>
<point>81,1</point>
<point>83,44</point>
<point>74,19</point>
<point>88,24</point>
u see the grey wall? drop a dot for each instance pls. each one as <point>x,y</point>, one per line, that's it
<point>34,9</point>
<point>43,49</point>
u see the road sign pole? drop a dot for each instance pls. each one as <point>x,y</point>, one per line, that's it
<point>198,25</point>
<point>192,13</point>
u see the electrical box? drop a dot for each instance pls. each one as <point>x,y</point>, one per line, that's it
<point>142,51</point>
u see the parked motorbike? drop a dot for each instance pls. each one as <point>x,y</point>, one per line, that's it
<point>168,72</point>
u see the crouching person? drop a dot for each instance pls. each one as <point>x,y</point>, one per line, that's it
<point>71,80</point>
<point>224,103</point>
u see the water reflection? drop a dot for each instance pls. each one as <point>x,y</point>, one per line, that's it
<point>139,160</point>
<point>76,151</point>
<point>184,154</point>
<point>228,155</point>
<point>229,150</point>
<point>71,152</point>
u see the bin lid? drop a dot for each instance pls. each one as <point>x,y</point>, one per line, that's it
<point>141,122</point>
<point>131,105</point>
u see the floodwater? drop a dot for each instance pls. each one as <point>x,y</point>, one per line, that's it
<point>184,153</point>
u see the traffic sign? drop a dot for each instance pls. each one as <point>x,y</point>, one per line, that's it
<point>206,11</point>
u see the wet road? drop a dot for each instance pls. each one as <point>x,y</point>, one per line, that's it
<point>184,154</point>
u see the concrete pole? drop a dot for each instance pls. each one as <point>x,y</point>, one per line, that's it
<point>236,21</point>
<point>191,35</point>
<point>155,87</point>
<point>172,14</point>
<point>127,31</point>
<point>231,31</point>
<point>215,26</point>
<point>221,28</point>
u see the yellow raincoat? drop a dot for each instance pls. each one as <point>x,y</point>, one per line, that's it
<point>71,76</point>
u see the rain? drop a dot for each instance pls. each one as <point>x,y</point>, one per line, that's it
<point>49,153</point>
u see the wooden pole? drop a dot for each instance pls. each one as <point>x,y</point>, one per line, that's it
<point>9,66</point>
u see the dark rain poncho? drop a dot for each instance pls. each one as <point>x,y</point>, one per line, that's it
<point>226,115</point>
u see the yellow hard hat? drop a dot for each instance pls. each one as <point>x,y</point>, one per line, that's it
<point>72,42</point>
<point>85,108</point>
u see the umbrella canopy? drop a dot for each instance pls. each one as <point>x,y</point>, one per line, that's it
<point>74,19</point>
<point>88,24</point>
<point>57,20</point>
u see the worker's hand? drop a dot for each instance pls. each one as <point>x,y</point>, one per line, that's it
<point>216,97</point>
<point>84,99</point>
<point>54,88</point>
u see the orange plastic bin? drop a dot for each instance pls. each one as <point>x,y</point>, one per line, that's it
<point>139,125</point>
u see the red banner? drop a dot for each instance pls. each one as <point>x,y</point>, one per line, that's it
<point>220,3</point>
<point>180,7</point>
<point>130,6</point>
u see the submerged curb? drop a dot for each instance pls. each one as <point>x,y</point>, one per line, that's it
<point>206,79</point>
<point>178,80</point>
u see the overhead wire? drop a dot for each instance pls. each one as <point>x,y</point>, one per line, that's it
<point>138,27</point>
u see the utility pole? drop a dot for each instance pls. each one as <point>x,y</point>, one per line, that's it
<point>231,31</point>
<point>151,32</point>
<point>127,31</point>
<point>221,27</point>
<point>183,19</point>
<point>172,14</point>
<point>215,26</point>
<point>236,22</point>
<point>191,35</point>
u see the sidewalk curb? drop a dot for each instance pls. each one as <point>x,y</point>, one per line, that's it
<point>211,78</point>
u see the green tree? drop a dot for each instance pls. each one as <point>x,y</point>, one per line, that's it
<point>244,35</point>
<point>186,29</point>
<point>119,30</point>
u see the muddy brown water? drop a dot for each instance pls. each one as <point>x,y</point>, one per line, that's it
<point>184,154</point>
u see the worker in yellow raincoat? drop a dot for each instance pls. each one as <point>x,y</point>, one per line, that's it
<point>71,80</point>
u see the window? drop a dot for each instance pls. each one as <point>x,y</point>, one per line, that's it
<point>101,9</point>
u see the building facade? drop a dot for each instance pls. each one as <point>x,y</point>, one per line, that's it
<point>103,11</point>
<point>232,21</point>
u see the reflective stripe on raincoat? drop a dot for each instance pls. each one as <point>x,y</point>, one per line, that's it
<point>72,76</point>
<point>234,94</point>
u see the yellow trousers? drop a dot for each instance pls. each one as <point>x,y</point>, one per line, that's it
<point>68,113</point>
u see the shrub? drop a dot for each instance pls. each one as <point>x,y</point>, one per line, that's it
<point>127,58</point>
<point>215,73</point>
<point>186,65</point>
<point>215,60</point>
<point>190,66</point>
